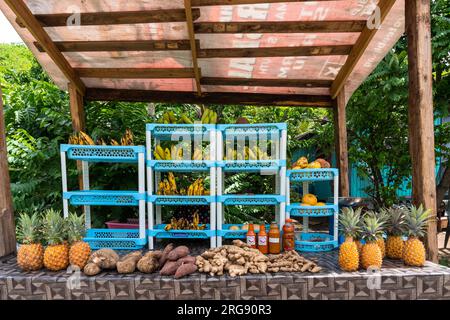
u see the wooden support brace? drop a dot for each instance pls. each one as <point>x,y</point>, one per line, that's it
<point>7,229</point>
<point>340,136</point>
<point>190,27</point>
<point>421,117</point>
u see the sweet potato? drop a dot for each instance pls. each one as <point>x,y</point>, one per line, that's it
<point>169,268</point>
<point>186,259</point>
<point>165,253</point>
<point>185,269</point>
<point>177,253</point>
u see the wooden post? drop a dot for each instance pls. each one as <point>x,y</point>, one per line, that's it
<point>421,119</point>
<point>7,229</point>
<point>78,120</point>
<point>340,138</point>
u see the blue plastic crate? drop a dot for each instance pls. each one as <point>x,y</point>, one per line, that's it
<point>251,200</point>
<point>159,232</point>
<point>307,243</point>
<point>103,198</point>
<point>118,239</point>
<point>298,210</point>
<point>251,131</point>
<point>180,165</point>
<point>235,234</point>
<point>301,175</point>
<point>251,165</point>
<point>173,132</point>
<point>180,200</point>
<point>123,154</point>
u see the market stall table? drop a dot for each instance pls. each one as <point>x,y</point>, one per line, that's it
<point>397,283</point>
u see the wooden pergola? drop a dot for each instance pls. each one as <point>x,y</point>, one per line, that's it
<point>251,52</point>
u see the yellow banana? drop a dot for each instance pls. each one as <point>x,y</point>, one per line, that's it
<point>252,155</point>
<point>172,117</point>
<point>167,154</point>
<point>185,119</point>
<point>213,118</point>
<point>87,139</point>
<point>190,190</point>
<point>205,116</point>
<point>160,151</point>
<point>166,118</point>
<point>157,156</point>
<point>114,142</point>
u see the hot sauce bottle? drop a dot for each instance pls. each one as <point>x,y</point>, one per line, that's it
<point>262,240</point>
<point>288,236</point>
<point>251,236</point>
<point>274,239</point>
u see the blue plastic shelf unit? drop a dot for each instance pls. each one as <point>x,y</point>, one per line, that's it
<point>119,239</point>
<point>122,154</point>
<point>252,130</point>
<point>103,198</point>
<point>299,210</point>
<point>159,232</point>
<point>251,165</point>
<point>315,242</point>
<point>302,175</point>
<point>180,165</point>
<point>180,200</point>
<point>251,200</point>
<point>176,131</point>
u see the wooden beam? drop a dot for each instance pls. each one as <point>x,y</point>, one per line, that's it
<point>135,73</point>
<point>21,10</point>
<point>275,52</point>
<point>421,118</point>
<point>190,27</point>
<point>100,94</point>
<point>359,48</point>
<point>78,122</point>
<point>7,229</point>
<point>280,27</point>
<point>116,17</point>
<point>341,144</point>
<point>298,83</point>
<point>202,3</point>
<point>130,45</point>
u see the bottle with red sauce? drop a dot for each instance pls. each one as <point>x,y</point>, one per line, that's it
<point>251,236</point>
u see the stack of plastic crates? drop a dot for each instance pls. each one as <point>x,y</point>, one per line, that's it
<point>235,138</point>
<point>106,238</point>
<point>314,241</point>
<point>192,135</point>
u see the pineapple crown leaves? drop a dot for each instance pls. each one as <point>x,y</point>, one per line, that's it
<point>76,228</point>
<point>416,220</point>
<point>54,227</point>
<point>372,227</point>
<point>29,228</point>
<point>349,222</point>
<point>395,225</point>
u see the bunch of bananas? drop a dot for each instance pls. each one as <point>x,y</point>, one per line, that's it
<point>254,153</point>
<point>82,138</point>
<point>162,154</point>
<point>170,118</point>
<point>209,117</point>
<point>185,224</point>
<point>168,187</point>
<point>197,188</point>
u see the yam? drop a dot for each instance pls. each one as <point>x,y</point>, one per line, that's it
<point>148,264</point>
<point>104,258</point>
<point>91,269</point>
<point>177,253</point>
<point>169,269</point>
<point>185,269</point>
<point>165,253</point>
<point>127,264</point>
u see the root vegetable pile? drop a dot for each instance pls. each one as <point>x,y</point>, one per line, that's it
<point>239,259</point>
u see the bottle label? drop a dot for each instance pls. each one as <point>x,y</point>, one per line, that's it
<point>262,241</point>
<point>251,240</point>
<point>274,240</point>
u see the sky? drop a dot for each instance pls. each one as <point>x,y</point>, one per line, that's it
<point>7,32</point>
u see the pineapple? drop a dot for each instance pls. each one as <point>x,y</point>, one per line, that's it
<point>56,255</point>
<point>382,217</point>
<point>371,255</point>
<point>79,251</point>
<point>395,229</point>
<point>349,227</point>
<point>416,221</point>
<point>30,256</point>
